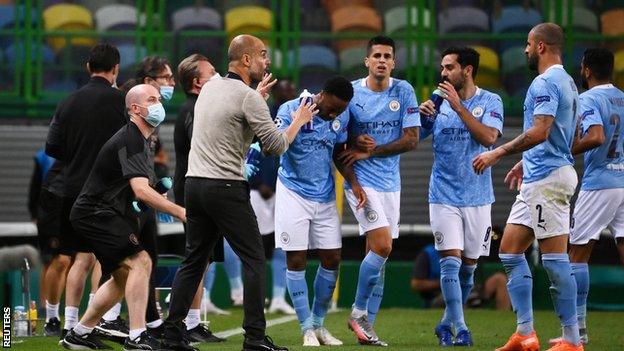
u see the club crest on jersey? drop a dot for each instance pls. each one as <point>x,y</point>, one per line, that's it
<point>477,111</point>
<point>439,237</point>
<point>394,106</point>
<point>372,216</point>
<point>285,238</point>
<point>335,125</point>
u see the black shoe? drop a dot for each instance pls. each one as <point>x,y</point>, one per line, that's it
<point>117,327</point>
<point>145,341</point>
<point>73,341</point>
<point>105,334</point>
<point>158,332</point>
<point>52,327</point>
<point>178,345</point>
<point>64,333</point>
<point>265,344</point>
<point>201,333</point>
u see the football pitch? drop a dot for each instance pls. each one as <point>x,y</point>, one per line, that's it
<point>403,329</point>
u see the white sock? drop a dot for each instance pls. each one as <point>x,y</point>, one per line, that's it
<point>51,311</point>
<point>113,313</point>
<point>71,317</point>
<point>90,299</point>
<point>192,319</point>
<point>135,333</point>
<point>154,324</point>
<point>357,313</point>
<point>82,330</point>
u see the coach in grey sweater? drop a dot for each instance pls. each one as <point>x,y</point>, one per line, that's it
<point>228,113</point>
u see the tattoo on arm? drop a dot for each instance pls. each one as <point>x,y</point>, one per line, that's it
<point>533,136</point>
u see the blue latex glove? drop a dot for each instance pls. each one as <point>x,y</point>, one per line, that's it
<point>250,171</point>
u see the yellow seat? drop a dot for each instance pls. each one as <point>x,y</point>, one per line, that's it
<point>618,68</point>
<point>613,24</point>
<point>355,19</point>
<point>248,19</point>
<point>68,17</point>
<point>488,59</point>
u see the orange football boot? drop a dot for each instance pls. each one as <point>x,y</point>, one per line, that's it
<point>518,342</point>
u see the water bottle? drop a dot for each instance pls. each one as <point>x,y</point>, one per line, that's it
<point>32,314</point>
<point>20,321</point>
<point>309,99</point>
<point>163,185</point>
<point>437,99</point>
<point>253,154</point>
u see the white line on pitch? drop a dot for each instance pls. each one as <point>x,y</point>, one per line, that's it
<point>269,323</point>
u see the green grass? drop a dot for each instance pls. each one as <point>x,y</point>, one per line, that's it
<point>404,329</point>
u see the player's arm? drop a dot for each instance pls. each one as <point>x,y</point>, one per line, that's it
<point>144,192</point>
<point>423,285</point>
<point>592,139</point>
<point>349,175</point>
<point>420,281</point>
<point>482,133</point>
<point>407,142</point>
<point>56,136</point>
<point>535,135</point>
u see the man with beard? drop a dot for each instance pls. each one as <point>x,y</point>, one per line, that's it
<point>384,123</point>
<point>227,115</point>
<point>468,123</point>
<point>547,181</point>
<point>600,203</point>
<point>306,217</point>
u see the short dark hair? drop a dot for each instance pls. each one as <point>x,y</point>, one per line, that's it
<point>380,40</point>
<point>188,70</point>
<point>150,66</point>
<point>102,58</point>
<point>600,62</point>
<point>339,87</point>
<point>466,56</point>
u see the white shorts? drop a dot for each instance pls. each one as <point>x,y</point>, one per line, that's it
<point>302,224</point>
<point>381,210</point>
<point>596,210</point>
<point>544,205</point>
<point>265,212</point>
<point>462,228</point>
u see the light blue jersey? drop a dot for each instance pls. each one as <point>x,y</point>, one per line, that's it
<point>306,167</point>
<point>603,105</point>
<point>552,93</point>
<point>382,115</point>
<point>453,179</point>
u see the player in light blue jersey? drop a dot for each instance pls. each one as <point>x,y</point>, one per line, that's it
<point>468,122</point>
<point>547,182</point>
<point>306,217</point>
<point>600,204</point>
<point>384,123</point>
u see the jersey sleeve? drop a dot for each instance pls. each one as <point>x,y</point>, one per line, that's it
<point>343,132</point>
<point>545,98</point>
<point>494,114</point>
<point>589,113</point>
<point>410,116</point>
<point>283,118</point>
<point>133,159</point>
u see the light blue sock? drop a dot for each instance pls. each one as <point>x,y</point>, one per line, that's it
<point>278,266</point>
<point>209,278</point>
<point>520,288</point>
<point>581,275</point>
<point>451,290</point>
<point>466,280</point>
<point>298,290</point>
<point>232,266</point>
<point>324,285</point>
<point>563,292</point>
<point>374,302</point>
<point>367,279</point>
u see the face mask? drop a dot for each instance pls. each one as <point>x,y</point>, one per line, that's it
<point>166,92</point>
<point>215,76</point>
<point>155,114</point>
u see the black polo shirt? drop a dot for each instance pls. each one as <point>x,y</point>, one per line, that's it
<point>107,191</point>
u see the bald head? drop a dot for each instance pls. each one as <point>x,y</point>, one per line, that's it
<point>243,44</point>
<point>139,94</point>
<point>550,34</point>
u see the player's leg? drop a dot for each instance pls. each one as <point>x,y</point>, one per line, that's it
<point>78,272</point>
<point>96,275</point>
<point>278,275</point>
<point>232,266</point>
<point>496,287</point>
<point>112,326</point>
<point>55,278</point>
<point>298,290</point>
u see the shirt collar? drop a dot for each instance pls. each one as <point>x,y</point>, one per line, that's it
<point>604,86</point>
<point>554,66</point>
<point>233,75</point>
<point>363,83</point>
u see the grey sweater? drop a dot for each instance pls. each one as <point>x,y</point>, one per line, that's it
<point>227,115</point>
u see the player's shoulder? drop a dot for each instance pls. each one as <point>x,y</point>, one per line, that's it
<point>490,95</point>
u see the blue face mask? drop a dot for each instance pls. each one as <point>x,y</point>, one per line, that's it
<point>155,114</point>
<point>166,92</point>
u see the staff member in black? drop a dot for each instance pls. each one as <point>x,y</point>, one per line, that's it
<point>105,220</point>
<point>82,123</point>
<point>227,115</point>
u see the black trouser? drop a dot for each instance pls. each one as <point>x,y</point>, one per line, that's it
<point>215,208</point>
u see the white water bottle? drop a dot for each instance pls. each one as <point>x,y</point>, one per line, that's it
<point>309,99</point>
